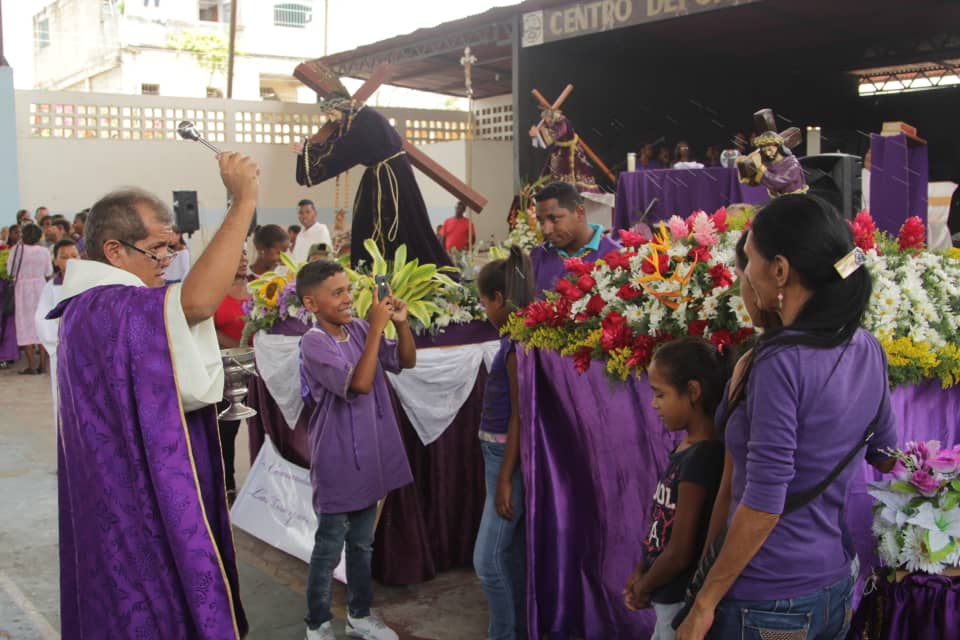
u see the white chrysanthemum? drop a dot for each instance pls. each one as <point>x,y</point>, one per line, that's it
<point>889,548</point>
<point>634,314</point>
<point>914,554</point>
<point>709,308</point>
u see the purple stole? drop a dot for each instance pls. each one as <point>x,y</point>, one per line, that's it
<point>146,548</point>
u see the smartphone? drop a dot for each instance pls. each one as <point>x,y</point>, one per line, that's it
<point>383,290</point>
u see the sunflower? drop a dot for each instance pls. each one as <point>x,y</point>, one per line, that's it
<point>271,292</point>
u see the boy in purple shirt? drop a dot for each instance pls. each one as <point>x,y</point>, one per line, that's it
<point>567,234</point>
<point>356,454</point>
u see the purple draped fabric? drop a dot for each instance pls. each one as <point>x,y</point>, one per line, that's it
<point>8,331</point>
<point>592,452</point>
<point>680,192</point>
<point>425,527</point>
<point>899,173</point>
<point>590,471</point>
<point>146,549</point>
<point>920,606</point>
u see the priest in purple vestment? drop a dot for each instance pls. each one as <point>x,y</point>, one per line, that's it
<point>567,235</point>
<point>388,206</point>
<point>146,549</point>
<point>772,165</point>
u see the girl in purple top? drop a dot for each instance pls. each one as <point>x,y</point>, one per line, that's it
<point>356,454</point>
<point>498,558</point>
<point>798,404</point>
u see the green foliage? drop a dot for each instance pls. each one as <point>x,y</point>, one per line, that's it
<point>210,48</point>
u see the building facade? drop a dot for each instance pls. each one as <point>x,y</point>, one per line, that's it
<point>176,47</point>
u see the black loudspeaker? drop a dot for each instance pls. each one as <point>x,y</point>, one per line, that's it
<point>185,213</point>
<point>835,177</point>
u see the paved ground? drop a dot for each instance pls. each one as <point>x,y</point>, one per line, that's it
<point>450,607</point>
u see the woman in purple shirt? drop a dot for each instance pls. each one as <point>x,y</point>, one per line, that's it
<point>799,403</point>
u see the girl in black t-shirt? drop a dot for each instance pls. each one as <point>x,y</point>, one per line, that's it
<point>687,376</point>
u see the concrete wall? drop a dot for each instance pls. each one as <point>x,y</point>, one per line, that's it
<point>67,174</point>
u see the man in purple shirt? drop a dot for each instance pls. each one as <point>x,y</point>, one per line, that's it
<point>567,234</point>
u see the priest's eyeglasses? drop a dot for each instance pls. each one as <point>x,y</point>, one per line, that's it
<point>158,259</point>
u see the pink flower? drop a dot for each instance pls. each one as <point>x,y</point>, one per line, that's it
<point>946,461</point>
<point>925,483</point>
<point>900,471</point>
<point>704,232</point>
<point>678,227</point>
<point>719,218</point>
<point>632,239</point>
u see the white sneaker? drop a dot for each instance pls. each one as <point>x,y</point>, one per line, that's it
<point>323,632</point>
<point>369,628</point>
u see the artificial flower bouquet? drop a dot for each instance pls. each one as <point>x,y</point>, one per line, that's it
<point>916,519</point>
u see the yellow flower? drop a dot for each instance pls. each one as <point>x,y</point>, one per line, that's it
<point>271,292</point>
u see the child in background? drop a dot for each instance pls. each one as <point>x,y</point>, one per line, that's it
<point>498,558</point>
<point>688,377</point>
<point>356,454</point>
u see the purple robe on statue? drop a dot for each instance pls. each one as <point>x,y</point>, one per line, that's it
<point>783,176</point>
<point>567,161</point>
<point>388,206</point>
<point>146,549</point>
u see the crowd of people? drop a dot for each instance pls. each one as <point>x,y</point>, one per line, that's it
<point>681,155</point>
<point>755,428</point>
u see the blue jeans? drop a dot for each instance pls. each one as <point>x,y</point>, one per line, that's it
<point>823,615</point>
<point>499,556</point>
<point>333,530</point>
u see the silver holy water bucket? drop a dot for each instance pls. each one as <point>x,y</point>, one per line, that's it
<point>237,367</point>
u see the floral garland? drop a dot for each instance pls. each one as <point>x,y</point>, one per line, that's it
<point>916,519</point>
<point>681,282</point>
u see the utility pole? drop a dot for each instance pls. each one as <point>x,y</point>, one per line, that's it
<point>326,23</point>
<point>3,58</point>
<point>232,47</point>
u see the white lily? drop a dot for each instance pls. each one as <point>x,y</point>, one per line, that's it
<point>894,505</point>
<point>942,525</point>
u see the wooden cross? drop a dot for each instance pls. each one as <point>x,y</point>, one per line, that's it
<point>316,76</point>
<point>583,145</point>
<point>764,121</point>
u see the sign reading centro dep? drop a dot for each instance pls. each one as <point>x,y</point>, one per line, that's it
<point>594,16</point>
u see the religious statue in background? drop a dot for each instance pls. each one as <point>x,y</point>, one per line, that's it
<point>389,206</point>
<point>772,164</point>
<point>566,160</point>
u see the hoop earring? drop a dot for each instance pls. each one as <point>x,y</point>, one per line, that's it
<point>780,299</point>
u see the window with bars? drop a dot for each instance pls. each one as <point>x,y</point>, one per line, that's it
<point>42,33</point>
<point>292,14</point>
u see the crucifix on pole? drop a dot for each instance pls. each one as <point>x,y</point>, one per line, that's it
<point>468,60</point>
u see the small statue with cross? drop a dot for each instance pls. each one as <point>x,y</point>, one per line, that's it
<point>772,164</point>
<point>568,154</point>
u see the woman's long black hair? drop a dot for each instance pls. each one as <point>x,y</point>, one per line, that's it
<point>812,236</point>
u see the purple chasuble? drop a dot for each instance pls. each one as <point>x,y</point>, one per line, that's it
<point>146,549</point>
<point>356,453</point>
